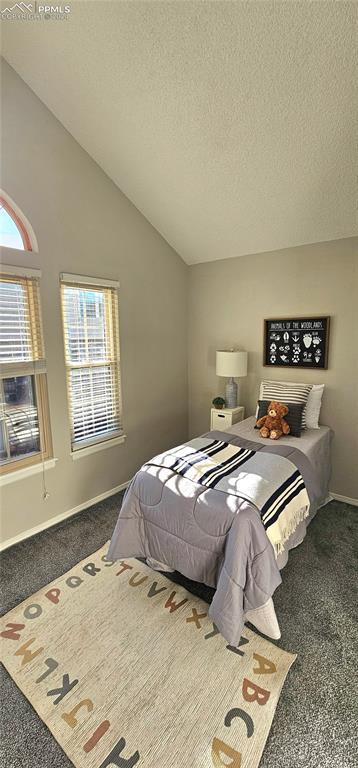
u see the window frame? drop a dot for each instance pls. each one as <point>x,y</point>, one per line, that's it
<point>30,368</point>
<point>114,437</point>
<point>23,226</point>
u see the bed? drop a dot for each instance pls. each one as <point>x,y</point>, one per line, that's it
<point>213,531</point>
<point>316,445</point>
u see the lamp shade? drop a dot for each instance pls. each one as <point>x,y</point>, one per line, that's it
<point>231,363</point>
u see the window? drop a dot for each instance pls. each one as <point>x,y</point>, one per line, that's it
<point>15,230</point>
<point>25,437</point>
<point>91,336</point>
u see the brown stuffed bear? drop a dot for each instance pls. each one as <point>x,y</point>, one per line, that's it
<point>274,425</point>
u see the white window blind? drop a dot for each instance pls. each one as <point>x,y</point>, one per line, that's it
<point>24,423</point>
<point>91,334</point>
<point>21,339</point>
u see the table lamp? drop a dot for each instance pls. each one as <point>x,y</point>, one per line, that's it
<point>232,364</point>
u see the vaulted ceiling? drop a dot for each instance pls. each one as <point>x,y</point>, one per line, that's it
<point>230,125</point>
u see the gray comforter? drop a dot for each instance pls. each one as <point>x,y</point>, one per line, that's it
<point>206,534</point>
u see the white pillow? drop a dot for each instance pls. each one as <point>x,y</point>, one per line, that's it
<point>313,406</point>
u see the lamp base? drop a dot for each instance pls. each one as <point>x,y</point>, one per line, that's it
<point>231,393</point>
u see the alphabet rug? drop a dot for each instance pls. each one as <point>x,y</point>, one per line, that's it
<point>126,669</point>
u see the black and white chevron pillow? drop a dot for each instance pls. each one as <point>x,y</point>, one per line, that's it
<point>286,393</point>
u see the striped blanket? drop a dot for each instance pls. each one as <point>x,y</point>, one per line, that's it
<point>269,481</point>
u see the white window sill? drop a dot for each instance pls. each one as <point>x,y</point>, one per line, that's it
<point>81,452</point>
<point>20,474</point>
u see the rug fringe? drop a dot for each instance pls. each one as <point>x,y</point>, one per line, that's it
<point>287,531</point>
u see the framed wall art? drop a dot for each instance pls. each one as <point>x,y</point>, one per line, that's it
<point>300,342</point>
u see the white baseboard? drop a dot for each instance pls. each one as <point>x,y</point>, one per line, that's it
<point>346,499</point>
<point>59,518</point>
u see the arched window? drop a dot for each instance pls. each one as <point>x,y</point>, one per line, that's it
<point>15,230</point>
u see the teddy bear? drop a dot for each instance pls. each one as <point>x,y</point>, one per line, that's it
<point>274,425</point>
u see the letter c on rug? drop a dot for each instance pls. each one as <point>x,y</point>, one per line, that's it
<point>220,748</point>
<point>244,716</point>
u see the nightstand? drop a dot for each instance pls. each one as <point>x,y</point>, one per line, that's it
<point>222,418</point>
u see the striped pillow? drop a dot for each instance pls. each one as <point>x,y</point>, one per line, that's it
<point>286,393</point>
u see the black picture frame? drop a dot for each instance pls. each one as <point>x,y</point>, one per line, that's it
<point>298,342</point>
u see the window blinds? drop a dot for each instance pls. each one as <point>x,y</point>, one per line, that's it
<point>90,319</point>
<point>21,338</point>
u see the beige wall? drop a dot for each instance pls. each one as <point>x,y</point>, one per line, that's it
<point>228,301</point>
<point>85,225</point>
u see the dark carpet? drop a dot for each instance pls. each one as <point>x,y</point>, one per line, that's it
<point>315,725</point>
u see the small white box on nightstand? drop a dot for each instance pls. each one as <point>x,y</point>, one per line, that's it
<point>222,418</point>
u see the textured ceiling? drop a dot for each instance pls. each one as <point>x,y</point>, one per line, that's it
<point>230,125</point>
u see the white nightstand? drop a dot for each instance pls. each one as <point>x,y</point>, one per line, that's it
<point>222,418</point>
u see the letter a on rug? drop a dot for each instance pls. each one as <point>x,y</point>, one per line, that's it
<point>122,681</point>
